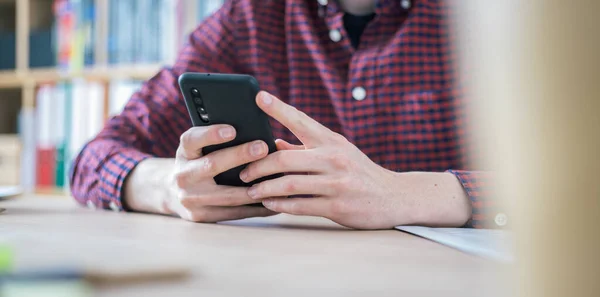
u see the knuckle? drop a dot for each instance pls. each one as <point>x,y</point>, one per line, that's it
<point>341,184</point>
<point>339,138</point>
<point>339,208</point>
<point>279,159</point>
<point>181,179</point>
<point>186,138</point>
<point>194,134</point>
<point>300,116</point>
<point>186,201</point>
<point>228,198</point>
<point>180,152</point>
<point>207,165</point>
<point>250,170</point>
<point>290,187</point>
<point>294,208</point>
<point>263,188</point>
<point>339,161</point>
<point>200,216</point>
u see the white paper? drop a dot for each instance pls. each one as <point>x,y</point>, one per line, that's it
<point>9,191</point>
<point>491,244</point>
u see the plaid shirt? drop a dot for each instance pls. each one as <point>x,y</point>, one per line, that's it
<point>394,96</point>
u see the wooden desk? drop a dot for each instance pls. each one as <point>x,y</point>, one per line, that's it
<point>277,256</point>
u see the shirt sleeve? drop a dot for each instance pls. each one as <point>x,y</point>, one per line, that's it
<point>153,119</point>
<point>486,212</point>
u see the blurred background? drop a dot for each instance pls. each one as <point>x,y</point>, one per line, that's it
<point>68,65</point>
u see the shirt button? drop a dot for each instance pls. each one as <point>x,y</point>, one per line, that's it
<point>359,93</point>
<point>322,2</point>
<point>113,206</point>
<point>405,4</point>
<point>501,219</point>
<point>90,204</point>
<point>335,35</point>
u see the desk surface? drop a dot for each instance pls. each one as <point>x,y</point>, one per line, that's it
<point>280,255</point>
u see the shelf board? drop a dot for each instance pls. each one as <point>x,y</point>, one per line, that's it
<point>9,79</point>
<point>14,79</point>
<point>101,73</point>
<point>52,191</point>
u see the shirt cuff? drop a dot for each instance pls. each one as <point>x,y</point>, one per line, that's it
<point>485,209</point>
<point>113,173</point>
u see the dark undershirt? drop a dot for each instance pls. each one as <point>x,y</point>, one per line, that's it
<point>355,25</point>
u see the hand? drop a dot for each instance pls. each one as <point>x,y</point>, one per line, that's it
<point>197,197</point>
<point>345,185</point>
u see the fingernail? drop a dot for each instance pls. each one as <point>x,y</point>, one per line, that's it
<point>268,202</point>
<point>266,98</point>
<point>257,148</point>
<point>226,132</point>
<point>244,175</point>
<point>253,192</point>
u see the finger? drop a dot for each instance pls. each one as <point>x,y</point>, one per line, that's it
<point>293,161</point>
<point>193,140</point>
<point>291,185</point>
<point>220,196</point>
<point>283,145</point>
<point>308,131</point>
<point>220,161</point>
<point>219,214</point>
<point>299,206</point>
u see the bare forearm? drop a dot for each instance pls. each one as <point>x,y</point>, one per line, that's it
<point>437,199</point>
<point>149,186</point>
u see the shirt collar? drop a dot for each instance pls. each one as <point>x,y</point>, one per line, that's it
<point>381,6</point>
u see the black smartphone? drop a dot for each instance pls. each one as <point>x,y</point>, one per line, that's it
<point>227,99</point>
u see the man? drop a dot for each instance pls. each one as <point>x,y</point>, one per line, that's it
<point>371,82</point>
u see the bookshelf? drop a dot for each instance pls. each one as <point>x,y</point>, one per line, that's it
<point>31,31</point>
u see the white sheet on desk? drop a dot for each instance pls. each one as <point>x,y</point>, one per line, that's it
<point>492,244</point>
<point>9,191</point>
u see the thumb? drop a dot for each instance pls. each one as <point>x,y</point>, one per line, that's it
<point>283,145</point>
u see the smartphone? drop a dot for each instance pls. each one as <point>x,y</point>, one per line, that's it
<point>227,99</point>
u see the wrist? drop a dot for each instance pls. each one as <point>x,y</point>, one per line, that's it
<point>435,199</point>
<point>149,186</point>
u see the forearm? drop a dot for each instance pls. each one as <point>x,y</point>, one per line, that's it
<point>150,187</point>
<point>434,199</point>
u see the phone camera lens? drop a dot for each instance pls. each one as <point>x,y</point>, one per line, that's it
<point>195,92</point>
<point>198,100</point>
<point>203,114</point>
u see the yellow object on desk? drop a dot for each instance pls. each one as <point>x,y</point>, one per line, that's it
<point>6,257</point>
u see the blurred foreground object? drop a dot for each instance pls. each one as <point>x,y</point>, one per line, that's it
<point>534,68</point>
<point>6,256</point>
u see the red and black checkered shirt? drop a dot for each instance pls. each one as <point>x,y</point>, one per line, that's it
<point>393,96</point>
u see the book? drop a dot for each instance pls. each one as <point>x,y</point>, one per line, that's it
<point>88,28</point>
<point>68,115</point>
<point>45,149</point>
<point>207,8</point>
<point>120,91</point>
<point>27,134</point>
<point>64,31</point>
<point>59,135</point>
<point>74,33</point>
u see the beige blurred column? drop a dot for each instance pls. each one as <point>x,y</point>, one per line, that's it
<point>535,69</point>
